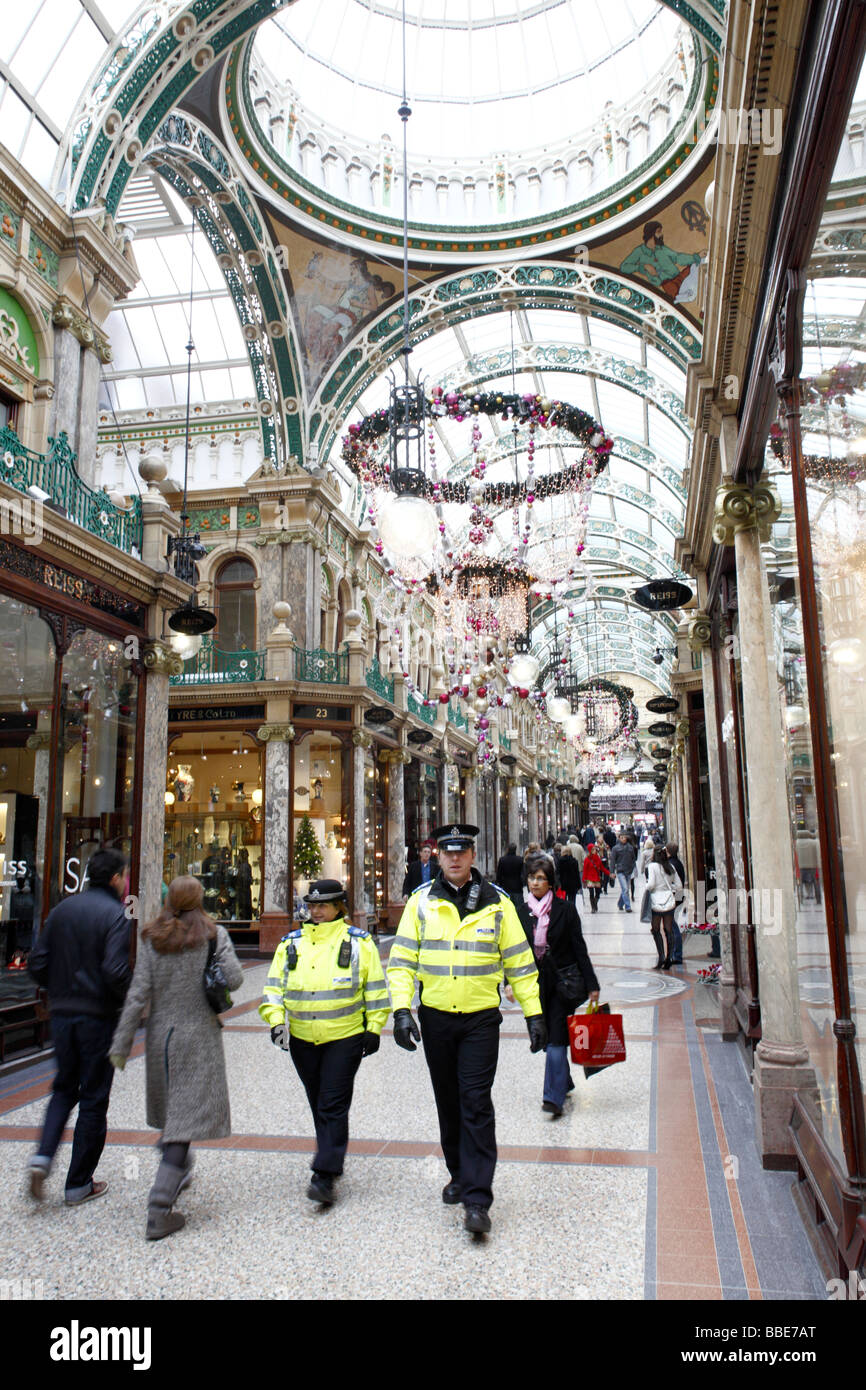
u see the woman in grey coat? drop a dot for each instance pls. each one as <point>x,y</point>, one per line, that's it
<point>187,1093</point>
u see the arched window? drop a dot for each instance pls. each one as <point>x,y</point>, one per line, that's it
<point>236,606</point>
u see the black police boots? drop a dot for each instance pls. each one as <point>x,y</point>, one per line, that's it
<point>477,1220</point>
<point>451,1194</point>
<point>321,1188</point>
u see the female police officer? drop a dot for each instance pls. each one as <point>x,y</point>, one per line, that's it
<point>326,1000</point>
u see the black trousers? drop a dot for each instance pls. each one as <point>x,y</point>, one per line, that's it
<point>327,1071</point>
<point>462,1051</point>
<point>84,1077</point>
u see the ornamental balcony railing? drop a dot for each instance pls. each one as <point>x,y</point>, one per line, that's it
<point>457,717</point>
<point>318,666</point>
<point>426,712</point>
<point>505,742</point>
<point>381,685</point>
<point>56,478</point>
<point>211,666</point>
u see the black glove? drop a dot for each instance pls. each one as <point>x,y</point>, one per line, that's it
<point>537,1033</point>
<point>405,1029</point>
<point>371,1044</point>
<point>277,1034</point>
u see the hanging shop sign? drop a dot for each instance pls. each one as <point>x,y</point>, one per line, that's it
<point>340,714</point>
<point>661,595</point>
<point>214,714</point>
<point>662,730</point>
<point>419,736</point>
<point>660,767</point>
<point>662,704</point>
<point>378,714</point>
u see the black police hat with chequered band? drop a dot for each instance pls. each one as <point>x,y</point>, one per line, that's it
<point>325,890</point>
<point>456,836</point>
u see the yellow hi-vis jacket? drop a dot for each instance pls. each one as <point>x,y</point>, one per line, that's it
<point>460,965</point>
<point>319,999</point>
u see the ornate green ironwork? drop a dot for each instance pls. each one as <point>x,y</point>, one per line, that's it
<point>457,717</point>
<point>215,667</point>
<point>321,666</point>
<point>505,742</point>
<point>379,684</point>
<point>425,712</point>
<point>56,474</point>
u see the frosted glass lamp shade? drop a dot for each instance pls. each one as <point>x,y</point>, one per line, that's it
<point>186,644</point>
<point>523,671</point>
<point>558,709</point>
<point>408,527</point>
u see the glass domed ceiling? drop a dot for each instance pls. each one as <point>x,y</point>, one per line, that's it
<point>592,85</point>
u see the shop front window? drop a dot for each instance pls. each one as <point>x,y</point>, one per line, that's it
<point>213,820</point>
<point>321,785</point>
<point>97,720</point>
<point>26,690</point>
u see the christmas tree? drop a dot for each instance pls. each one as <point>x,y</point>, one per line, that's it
<point>308,851</point>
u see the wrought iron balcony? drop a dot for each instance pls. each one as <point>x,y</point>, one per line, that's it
<point>55,475</point>
<point>321,667</point>
<point>457,717</point>
<point>214,667</point>
<point>382,686</point>
<point>426,712</point>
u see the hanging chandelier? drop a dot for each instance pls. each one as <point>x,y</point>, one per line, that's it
<point>488,598</point>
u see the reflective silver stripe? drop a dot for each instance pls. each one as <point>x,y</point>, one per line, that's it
<point>400,963</point>
<point>345,993</point>
<point>515,950</point>
<point>274,981</point>
<point>410,942</point>
<point>493,969</point>
<point>427,945</point>
<point>489,945</point>
<point>497,922</point>
<point>356,962</point>
<point>323,1015</point>
<point>435,970</point>
<point>521,970</point>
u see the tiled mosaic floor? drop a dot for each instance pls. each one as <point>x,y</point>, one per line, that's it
<point>632,1194</point>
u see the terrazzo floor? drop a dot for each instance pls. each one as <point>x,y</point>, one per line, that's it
<point>628,1195</point>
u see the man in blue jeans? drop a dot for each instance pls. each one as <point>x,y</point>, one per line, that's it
<point>82,959</point>
<point>622,861</point>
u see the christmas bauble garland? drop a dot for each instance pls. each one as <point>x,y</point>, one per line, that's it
<point>359,444</point>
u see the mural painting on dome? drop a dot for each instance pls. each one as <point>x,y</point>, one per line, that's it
<point>332,291</point>
<point>665,250</point>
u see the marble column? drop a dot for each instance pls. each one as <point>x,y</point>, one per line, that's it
<point>532,813</point>
<point>782,1065</point>
<point>514,813</point>
<point>700,636</point>
<point>470,788</point>
<point>396,758</point>
<point>361,739</point>
<point>444,804</point>
<point>277,890</point>
<point>159,662</point>
<point>40,744</point>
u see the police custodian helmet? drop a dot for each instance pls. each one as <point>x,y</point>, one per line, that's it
<point>325,890</point>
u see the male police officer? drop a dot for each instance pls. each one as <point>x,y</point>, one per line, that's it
<point>456,936</point>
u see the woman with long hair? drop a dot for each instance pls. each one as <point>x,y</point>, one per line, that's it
<point>662,882</point>
<point>552,928</point>
<point>187,1092</point>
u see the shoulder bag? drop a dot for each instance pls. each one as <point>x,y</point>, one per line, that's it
<point>571,986</point>
<point>215,984</point>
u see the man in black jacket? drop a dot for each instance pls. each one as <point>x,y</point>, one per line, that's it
<point>82,960</point>
<point>509,874</point>
<point>622,861</point>
<point>423,870</point>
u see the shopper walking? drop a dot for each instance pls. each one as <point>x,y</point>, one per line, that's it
<point>661,882</point>
<point>622,864</point>
<point>509,874</point>
<point>593,872</point>
<point>552,928</point>
<point>569,874</point>
<point>329,1030</point>
<point>187,1092</point>
<point>672,852</point>
<point>455,939</point>
<point>82,959</point>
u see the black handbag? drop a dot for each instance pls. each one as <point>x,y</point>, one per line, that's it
<point>570,985</point>
<point>215,984</point>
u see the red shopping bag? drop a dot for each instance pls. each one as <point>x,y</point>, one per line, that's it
<point>597,1039</point>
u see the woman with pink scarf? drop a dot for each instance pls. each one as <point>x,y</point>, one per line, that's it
<point>553,929</point>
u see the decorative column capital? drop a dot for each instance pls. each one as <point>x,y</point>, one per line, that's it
<point>276,733</point>
<point>741,508</point>
<point>700,631</point>
<point>394,755</point>
<point>683,727</point>
<point>159,659</point>
<point>362,738</point>
<point>40,741</point>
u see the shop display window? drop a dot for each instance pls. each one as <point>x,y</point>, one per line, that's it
<point>26,689</point>
<point>375,829</point>
<point>213,820</point>
<point>97,718</point>
<point>321,788</point>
